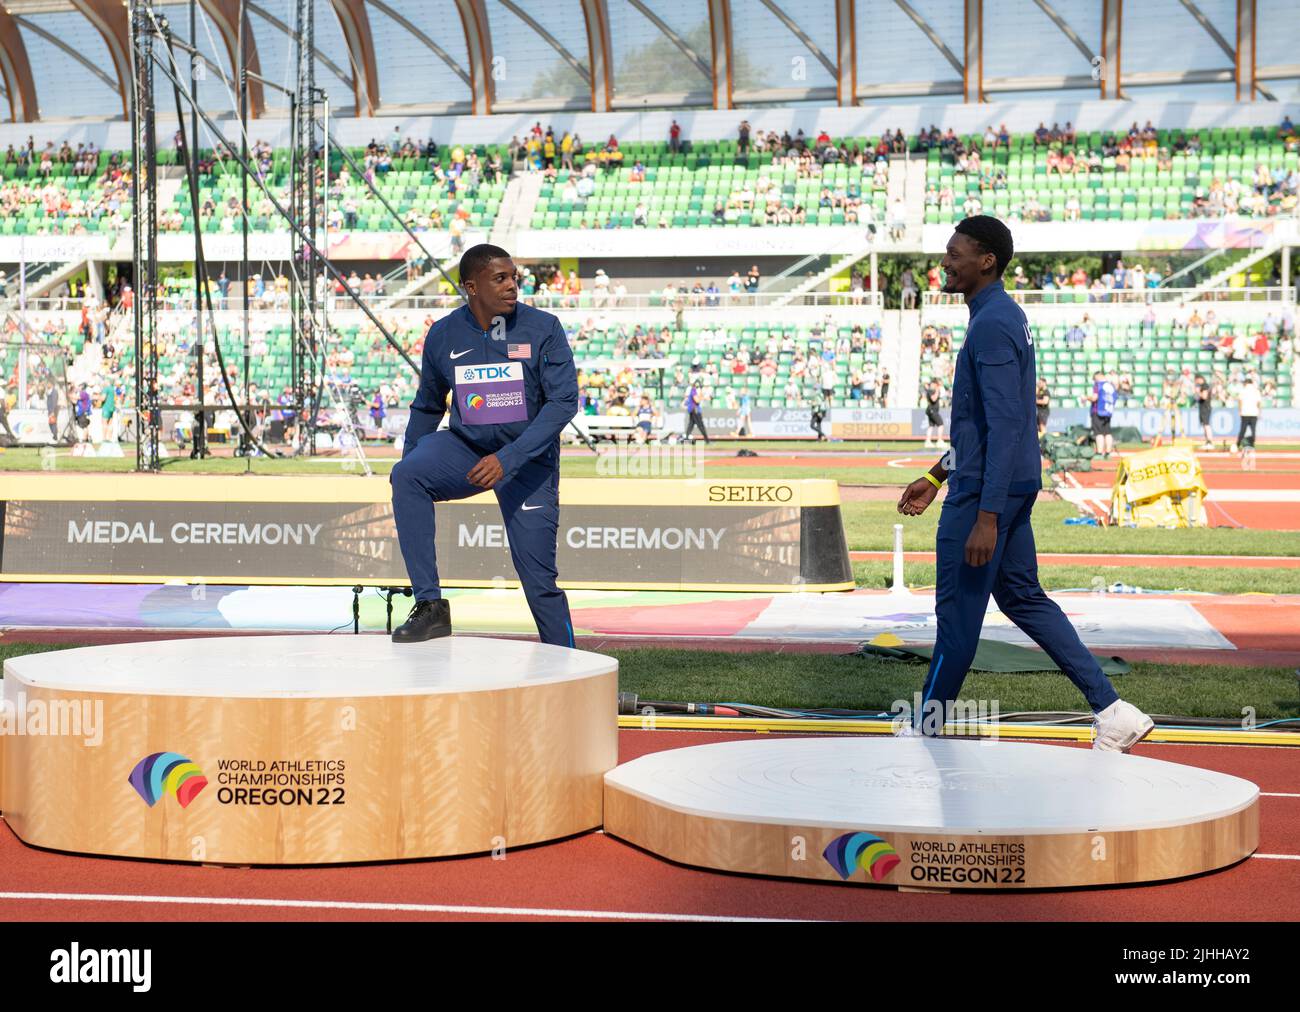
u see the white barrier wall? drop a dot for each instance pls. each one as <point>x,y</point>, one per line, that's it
<point>636,124</point>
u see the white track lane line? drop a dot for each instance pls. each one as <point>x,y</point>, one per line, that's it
<point>424,908</point>
<point>417,908</point>
<point>1266,794</point>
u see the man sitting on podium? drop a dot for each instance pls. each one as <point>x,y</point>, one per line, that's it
<point>509,370</point>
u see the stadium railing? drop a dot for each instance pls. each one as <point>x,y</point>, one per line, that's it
<point>1129,297</point>
<point>551,303</point>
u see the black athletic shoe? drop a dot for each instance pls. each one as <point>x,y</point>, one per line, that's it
<point>428,620</point>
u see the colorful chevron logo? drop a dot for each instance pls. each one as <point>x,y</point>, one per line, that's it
<point>474,401</point>
<point>851,851</point>
<point>167,773</point>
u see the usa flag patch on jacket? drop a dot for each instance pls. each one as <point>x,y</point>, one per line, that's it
<point>519,351</point>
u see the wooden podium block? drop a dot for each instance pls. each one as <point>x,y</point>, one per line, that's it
<point>307,749</point>
<point>932,813</point>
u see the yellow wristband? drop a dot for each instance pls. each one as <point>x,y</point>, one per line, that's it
<point>932,480</point>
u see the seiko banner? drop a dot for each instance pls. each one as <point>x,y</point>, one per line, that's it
<point>614,533</point>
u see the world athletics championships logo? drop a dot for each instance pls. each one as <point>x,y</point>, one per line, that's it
<point>851,851</point>
<point>167,773</point>
<point>474,401</point>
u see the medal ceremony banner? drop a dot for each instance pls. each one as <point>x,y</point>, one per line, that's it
<point>615,533</point>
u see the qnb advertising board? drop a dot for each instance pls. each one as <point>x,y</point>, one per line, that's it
<point>663,534</point>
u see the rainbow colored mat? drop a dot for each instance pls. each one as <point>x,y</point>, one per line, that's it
<point>1102,620</point>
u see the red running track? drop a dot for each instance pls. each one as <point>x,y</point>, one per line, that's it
<point>596,876</point>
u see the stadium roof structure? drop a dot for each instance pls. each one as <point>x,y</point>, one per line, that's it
<point>70,59</point>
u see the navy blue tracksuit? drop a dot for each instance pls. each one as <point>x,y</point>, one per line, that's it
<point>513,391</point>
<point>994,465</point>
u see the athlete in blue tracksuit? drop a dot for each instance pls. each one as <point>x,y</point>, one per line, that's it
<point>509,372</point>
<point>985,543</point>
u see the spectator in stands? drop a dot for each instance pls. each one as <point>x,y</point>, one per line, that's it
<point>742,147</point>
<point>870,382</point>
<point>897,218</point>
<point>1124,389</point>
<point>459,225</point>
<point>1241,348</point>
<point>675,138</point>
<point>909,290</point>
<point>572,289</point>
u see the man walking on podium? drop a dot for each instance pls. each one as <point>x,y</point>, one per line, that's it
<point>507,372</point>
<point>985,543</point>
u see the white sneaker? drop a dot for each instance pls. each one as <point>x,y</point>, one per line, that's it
<point>1120,726</point>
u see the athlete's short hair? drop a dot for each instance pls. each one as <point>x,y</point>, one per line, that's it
<point>478,257</point>
<point>992,235</point>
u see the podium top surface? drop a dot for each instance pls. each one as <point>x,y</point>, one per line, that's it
<point>930,786</point>
<point>338,665</point>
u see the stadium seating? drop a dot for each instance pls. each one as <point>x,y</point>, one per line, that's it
<point>93,192</point>
<point>696,345</point>
<point>1111,194</point>
<point>407,186</point>
<point>683,189</point>
<point>1146,354</point>
<point>374,362</point>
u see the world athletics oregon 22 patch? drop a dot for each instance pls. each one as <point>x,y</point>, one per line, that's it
<point>491,394</point>
<point>164,773</point>
<point>851,851</point>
